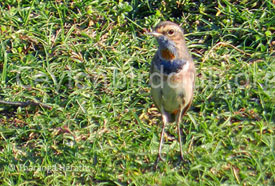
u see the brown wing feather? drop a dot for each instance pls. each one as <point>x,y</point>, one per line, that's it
<point>191,72</point>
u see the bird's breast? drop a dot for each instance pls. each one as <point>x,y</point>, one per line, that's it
<point>172,90</point>
<point>166,54</point>
<point>171,66</point>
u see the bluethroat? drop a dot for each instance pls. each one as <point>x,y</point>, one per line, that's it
<point>172,77</point>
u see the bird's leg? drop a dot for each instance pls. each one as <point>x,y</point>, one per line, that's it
<point>164,121</point>
<point>159,158</point>
<point>179,116</point>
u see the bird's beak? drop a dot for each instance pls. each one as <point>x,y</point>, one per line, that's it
<point>154,33</point>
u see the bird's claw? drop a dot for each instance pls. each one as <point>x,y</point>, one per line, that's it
<point>159,158</point>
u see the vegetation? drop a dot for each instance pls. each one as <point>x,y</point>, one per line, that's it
<point>89,61</point>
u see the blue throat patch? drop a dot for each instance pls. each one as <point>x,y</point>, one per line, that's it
<point>172,66</point>
<point>168,61</point>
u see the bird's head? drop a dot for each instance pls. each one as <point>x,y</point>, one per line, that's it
<point>170,38</point>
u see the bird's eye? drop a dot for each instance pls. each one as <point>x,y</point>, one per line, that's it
<point>171,32</point>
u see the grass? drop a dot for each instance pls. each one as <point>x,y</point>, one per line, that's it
<point>90,60</point>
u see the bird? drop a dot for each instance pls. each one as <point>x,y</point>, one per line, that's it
<point>172,77</point>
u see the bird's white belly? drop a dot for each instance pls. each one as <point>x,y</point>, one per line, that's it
<point>172,96</point>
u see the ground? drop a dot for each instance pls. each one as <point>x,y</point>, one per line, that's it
<point>89,61</point>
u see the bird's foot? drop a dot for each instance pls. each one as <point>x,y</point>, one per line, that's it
<point>182,161</point>
<point>159,158</point>
<point>181,157</point>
